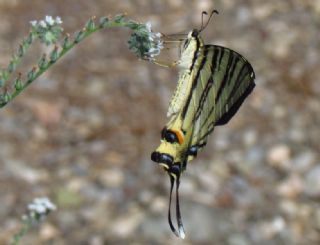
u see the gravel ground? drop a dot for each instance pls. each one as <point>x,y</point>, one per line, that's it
<point>83,133</point>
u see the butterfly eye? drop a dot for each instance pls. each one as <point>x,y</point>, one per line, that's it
<point>195,33</point>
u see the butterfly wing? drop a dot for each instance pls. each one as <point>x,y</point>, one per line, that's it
<point>223,80</point>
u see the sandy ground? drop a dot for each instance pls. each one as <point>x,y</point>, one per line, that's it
<point>82,134</point>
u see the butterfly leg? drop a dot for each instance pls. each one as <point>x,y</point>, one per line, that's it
<point>165,64</point>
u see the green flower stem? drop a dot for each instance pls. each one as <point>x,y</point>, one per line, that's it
<point>25,228</point>
<point>90,28</point>
<point>16,58</point>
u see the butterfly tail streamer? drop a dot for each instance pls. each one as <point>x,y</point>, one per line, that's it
<point>173,229</point>
<point>180,232</point>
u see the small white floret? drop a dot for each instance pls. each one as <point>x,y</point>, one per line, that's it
<point>41,206</point>
<point>58,20</point>
<point>148,26</point>
<point>49,20</point>
<point>33,22</point>
<point>43,24</point>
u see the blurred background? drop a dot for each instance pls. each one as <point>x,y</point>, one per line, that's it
<point>82,134</point>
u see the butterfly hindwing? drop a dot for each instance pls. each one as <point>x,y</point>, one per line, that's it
<point>225,80</point>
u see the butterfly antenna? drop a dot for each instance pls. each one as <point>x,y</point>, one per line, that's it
<point>203,26</point>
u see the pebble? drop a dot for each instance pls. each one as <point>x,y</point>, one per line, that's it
<point>21,171</point>
<point>278,224</point>
<point>48,231</point>
<point>317,217</point>
<point>112,177</point>
<point>222,140</point>
<point>250,137</point>
<point>303,161</point>
<point>312,182</point>
<point>159,205</point>
<point>209,182</point>
<point>289,207</point>
<point>204,5</point>
<point>126,223</point>
<point>96,240</point>
<point>255,155</point>
<point>290,187</point>
<point>187,185</point>
<point>272,227</point>
<point>244,16</point>
<point>237,239</point>
<point>278,156</point>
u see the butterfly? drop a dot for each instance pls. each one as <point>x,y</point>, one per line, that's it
<point>213,83</point>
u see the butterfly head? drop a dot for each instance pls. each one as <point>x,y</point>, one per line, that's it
<point>192,42</point>
<point>193,39</point>
<point>193,33</point>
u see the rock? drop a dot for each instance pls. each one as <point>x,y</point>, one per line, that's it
<point>127,223</point>
<point>273,227</point>
<point>279,156</point>
<point>312,182</point>
<point>279,112</point>
<point>250,137</point>
<point>317,218</point>
<point>237,239</point>
<point>188,186</point>
<point>289,207</point>
<point>254,156</point>
<point>278,224</point>
<point>159,205</point>
<point>291,187</point>
<point>96,240</point>
<point>303,161</point>
<point>48,232</point>
<point>112,177</point>
<point>48,113</point>
<point>22,171</point>
<point>245,195</point>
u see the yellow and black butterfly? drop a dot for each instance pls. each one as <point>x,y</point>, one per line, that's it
<point>213,83</point>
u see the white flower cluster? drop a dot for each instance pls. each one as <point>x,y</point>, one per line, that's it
<point>155,39</point>
<point>47,22</point>
<point>48,30</point>
<point>41,206</point>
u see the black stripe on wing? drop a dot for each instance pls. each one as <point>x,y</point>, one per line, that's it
<point>240,85</point>
<point>235,107</point>
<point>233,79</point>
<point>195,83</point>
<point>206,90</point>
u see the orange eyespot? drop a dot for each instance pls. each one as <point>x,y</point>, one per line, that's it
<point>179,135</point>
<point>172,135</point>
